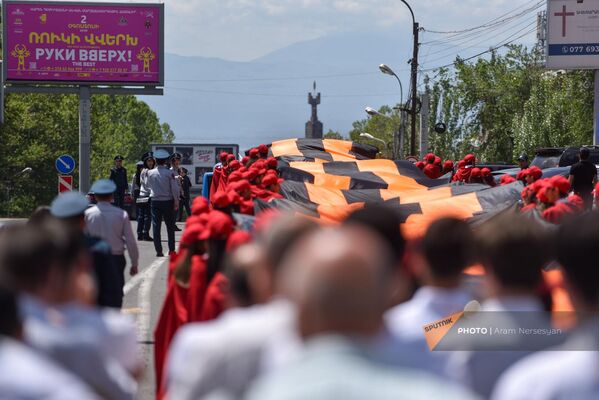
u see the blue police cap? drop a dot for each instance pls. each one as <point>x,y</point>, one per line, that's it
<point>68,204</point>
<point>118,158</point>
<point>161,154</point>
<point>103,186</point>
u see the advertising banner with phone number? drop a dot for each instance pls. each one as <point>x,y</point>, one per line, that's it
<point>104,43</point>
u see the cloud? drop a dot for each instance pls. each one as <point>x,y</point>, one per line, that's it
<point>246,29</point>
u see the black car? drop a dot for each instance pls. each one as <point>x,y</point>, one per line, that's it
<point>551,157</point>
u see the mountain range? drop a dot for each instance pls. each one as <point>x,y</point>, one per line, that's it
<point>210,100</point>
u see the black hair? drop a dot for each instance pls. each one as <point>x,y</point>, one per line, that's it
<point>515,249</point>
<point>384,221</point>
<point>216,255</point>
<point>577,244</point>
<point>448,247</point>
<point>10,323</point>
<point>584,153</point>
<point>28,253</point>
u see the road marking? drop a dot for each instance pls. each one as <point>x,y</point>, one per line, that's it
<point>134,281</point>
<point>144,298</point>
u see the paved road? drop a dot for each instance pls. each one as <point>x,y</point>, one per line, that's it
<point>144,295</point>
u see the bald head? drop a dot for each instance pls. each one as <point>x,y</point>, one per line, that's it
<point>246,269</point>
<point>339,280</point>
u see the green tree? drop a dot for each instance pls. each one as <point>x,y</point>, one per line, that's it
<point>382,127</point>
<point>331,134</point>
<point>38,128</point>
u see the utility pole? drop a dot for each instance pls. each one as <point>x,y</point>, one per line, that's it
<point>413,84</point>
<point>424,115</point>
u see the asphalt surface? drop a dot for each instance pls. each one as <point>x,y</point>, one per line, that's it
<point>144,295</point>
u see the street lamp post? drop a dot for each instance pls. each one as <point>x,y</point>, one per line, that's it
<point>413,81</point>
<point>367,135</point>
<point>372,112</point>
<point>385,69</point>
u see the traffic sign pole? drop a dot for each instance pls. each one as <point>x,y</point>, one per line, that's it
<point>596,110</point>
<point>84,138</point>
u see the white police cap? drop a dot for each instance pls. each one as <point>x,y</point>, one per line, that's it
<point>103,186</point>
<point>68,204</point>
<point>161,154</point>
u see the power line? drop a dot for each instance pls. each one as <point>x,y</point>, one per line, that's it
<point>494,21</point>
<point>275,94</point>
<point>446,53</point>
<point>289,78</point>
<point>481,53</point>
<point>477,34</point>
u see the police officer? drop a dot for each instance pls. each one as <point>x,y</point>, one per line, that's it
<point>118,175</point>
<point>164,195</point>
<point>112,225</point>
<point>523,161</point>
<point>70,208</point>
<point>176,168</point>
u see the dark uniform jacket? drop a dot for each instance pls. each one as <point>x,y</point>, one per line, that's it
<point>119,177</point>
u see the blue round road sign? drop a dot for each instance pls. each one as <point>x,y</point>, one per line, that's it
<point>65,164</point>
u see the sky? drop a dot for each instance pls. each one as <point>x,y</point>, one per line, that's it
<point>243,30</point>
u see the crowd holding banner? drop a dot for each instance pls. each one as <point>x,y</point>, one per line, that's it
<point>317,271</point>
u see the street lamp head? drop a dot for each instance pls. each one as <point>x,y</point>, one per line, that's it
<point>371,111</point>
<point>367,136</point>
<point>385,69</point>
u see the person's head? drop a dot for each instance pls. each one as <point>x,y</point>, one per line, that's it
<point>523,161</point>
<point>577,244</point>
<point>103,189</point>
<point>40,215</point>
<point>447,248</point>
<point>10,322</point>
<point>513,249</point>
<point>69,208</point>
<point>118,161</point>
<point>49,262</point>
<point>584,153</point>
<point>245,269</point>
<point>277,236</point>
<point>386,222</point>
<point>149,163</point>
<point>183,171</point>
<point>341,287</point>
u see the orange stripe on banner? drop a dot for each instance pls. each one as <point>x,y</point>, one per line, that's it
<point>387,171</point>
<point>336,214</point>
<point>325,195</point>
<point>339,149</point>
<point>310,167</point>
<point>285,148</point>
<point>425,195</point>
<point>332,181</point>
<point>463,207</point>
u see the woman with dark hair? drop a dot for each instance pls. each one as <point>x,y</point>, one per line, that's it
<point>144,215</point>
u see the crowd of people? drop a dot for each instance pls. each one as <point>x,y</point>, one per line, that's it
<point>237,183</point>
<point>291,309</point>
<point>465,171</point>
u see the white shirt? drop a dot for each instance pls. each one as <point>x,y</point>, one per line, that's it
<point>479,370</point>
<point>27,375</point>
<point>405,324</point>
<point>333,367</point>
<point>112,224</point>
<point>163,184</point>
<point>67,337</point>
<point>221,358</point>
<point>556,375</point>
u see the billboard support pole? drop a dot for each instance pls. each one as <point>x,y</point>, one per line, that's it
<point>85,106</point>
<point>596,110</point>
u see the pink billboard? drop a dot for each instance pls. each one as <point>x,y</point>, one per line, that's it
<point>102,43</point>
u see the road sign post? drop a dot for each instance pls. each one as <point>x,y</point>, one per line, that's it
<point>85,106</point>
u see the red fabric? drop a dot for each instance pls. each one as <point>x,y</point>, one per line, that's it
<point>528,207</point>
<point>216,178</point>
<point>432,171</point>
<point>172,316</point>
<point>197,288</point>
<point>217,295</point>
